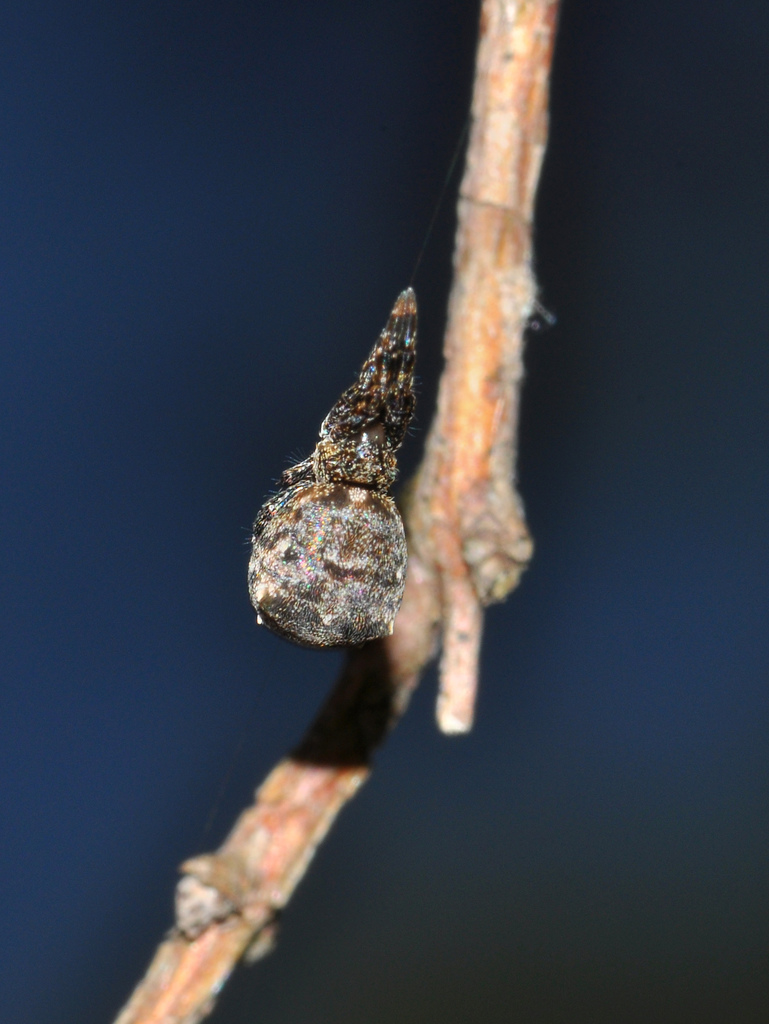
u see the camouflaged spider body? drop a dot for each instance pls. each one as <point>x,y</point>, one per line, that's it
<point>328,558</point>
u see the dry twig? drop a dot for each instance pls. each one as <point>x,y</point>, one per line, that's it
<point>468,544</point>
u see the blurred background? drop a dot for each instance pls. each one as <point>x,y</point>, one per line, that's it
<point>207,211</point>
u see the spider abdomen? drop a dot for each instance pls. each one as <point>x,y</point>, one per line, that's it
<point>329,567</point>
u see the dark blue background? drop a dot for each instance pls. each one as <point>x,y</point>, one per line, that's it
<point>207,210</point>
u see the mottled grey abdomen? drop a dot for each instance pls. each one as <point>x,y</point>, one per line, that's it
<point>330,568</point>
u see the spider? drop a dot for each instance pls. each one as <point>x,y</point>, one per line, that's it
<point>328,557</point>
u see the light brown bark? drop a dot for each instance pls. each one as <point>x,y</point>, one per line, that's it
<point>468,544</point>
